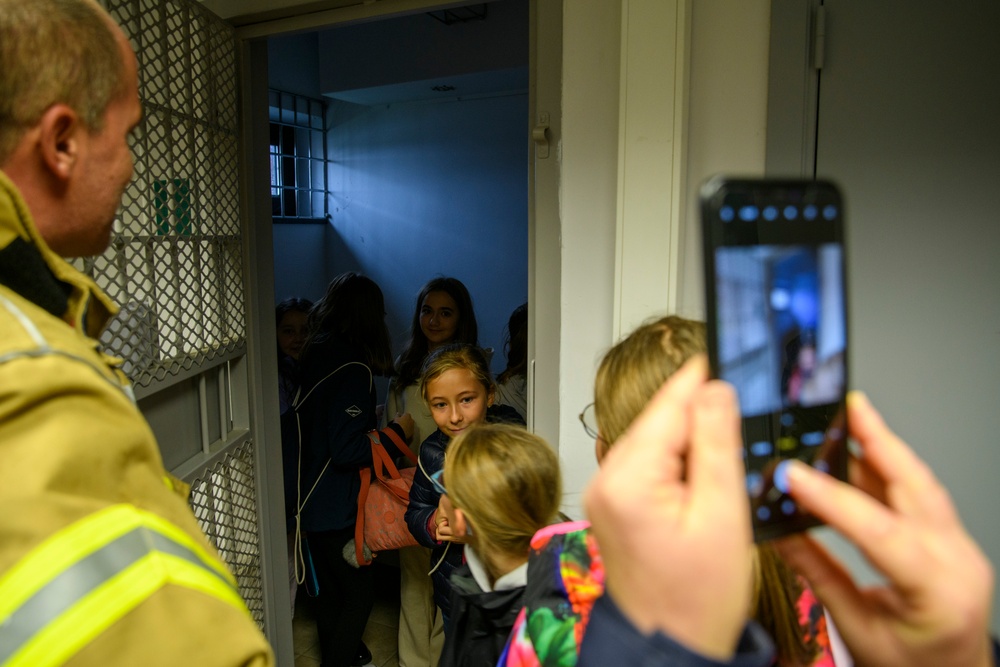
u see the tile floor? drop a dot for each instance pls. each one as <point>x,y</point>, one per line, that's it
<point>380,635</point>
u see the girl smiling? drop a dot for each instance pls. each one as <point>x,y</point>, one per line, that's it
<point>459,390</point>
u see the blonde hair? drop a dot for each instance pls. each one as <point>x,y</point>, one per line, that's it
<point>776,591</point>
<point>457,355</point>
<point>627,378</point>
<point>634,369</point>
<point>507,482</point>
<point>55,51</point>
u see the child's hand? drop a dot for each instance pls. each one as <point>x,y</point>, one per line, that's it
<point>405,422</point>
<point>450,523</point>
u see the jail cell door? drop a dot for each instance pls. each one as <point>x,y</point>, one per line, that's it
<point>177,266</point>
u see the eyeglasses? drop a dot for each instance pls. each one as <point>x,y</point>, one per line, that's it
<point>589,420</point>
<point>438,483</point>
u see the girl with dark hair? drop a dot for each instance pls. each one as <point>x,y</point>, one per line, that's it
<point>291,319</point>
<point>512,383</point>
<point>348,343</point>
<point>443,315</point>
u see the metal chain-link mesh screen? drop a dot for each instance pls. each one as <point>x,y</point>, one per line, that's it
<point>225,502</point>
<point>175,261</point>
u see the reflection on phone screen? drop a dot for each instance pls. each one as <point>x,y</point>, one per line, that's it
<point>781,341</point>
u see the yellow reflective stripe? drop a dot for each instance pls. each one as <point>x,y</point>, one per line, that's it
<point>69,632</point>
<point>171,531</point>
<point>61,550</point>
<point>74,542</point>
<point>83,578</point>
<point>86,620</point>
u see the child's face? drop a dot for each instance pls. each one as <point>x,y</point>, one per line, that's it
<point>292,333</point>
<point>457,400</point>
<point>438,319</point>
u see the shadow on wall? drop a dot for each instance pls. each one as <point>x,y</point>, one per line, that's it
<point>307,256</point>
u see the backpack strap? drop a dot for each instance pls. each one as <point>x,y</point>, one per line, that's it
<point>359,530</point>
<point>383,467</point>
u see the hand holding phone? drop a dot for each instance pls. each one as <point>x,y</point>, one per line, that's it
<point>777,330</point>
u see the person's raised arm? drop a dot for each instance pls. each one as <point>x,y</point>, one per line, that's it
<point>934,608</point>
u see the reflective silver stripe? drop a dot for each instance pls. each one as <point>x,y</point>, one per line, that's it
<point>25,322</point>
<point>44,349</point>
<point>83,577</point>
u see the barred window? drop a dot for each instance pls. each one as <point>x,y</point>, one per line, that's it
<point>298,157</point>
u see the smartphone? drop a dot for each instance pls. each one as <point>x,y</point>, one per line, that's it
<point>776,305</point>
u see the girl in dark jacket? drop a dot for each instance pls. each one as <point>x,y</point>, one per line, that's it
<point>458,387</point>
<point>348,342</point>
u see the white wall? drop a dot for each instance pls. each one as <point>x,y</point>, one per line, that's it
<point>588,193</point>
<point>727,116</point>
<point>913,141</point>
<point>726,132</point>
<point>728,50</point>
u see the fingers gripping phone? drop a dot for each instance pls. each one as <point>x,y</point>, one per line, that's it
<point>777,330</point>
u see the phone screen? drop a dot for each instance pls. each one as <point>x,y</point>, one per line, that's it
<point>777,330</point>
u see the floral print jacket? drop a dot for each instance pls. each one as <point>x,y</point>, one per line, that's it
<point>565,578</point>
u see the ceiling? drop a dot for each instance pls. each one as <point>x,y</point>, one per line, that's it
<point>472,51</point>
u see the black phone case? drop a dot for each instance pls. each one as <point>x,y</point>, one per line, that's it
<point>813,430</point>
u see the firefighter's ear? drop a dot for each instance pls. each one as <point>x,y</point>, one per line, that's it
<point>61,138</point>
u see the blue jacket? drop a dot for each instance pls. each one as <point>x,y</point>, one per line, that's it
<point>612,640</point>
<point>424,501</point>
<point>335,413</point>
